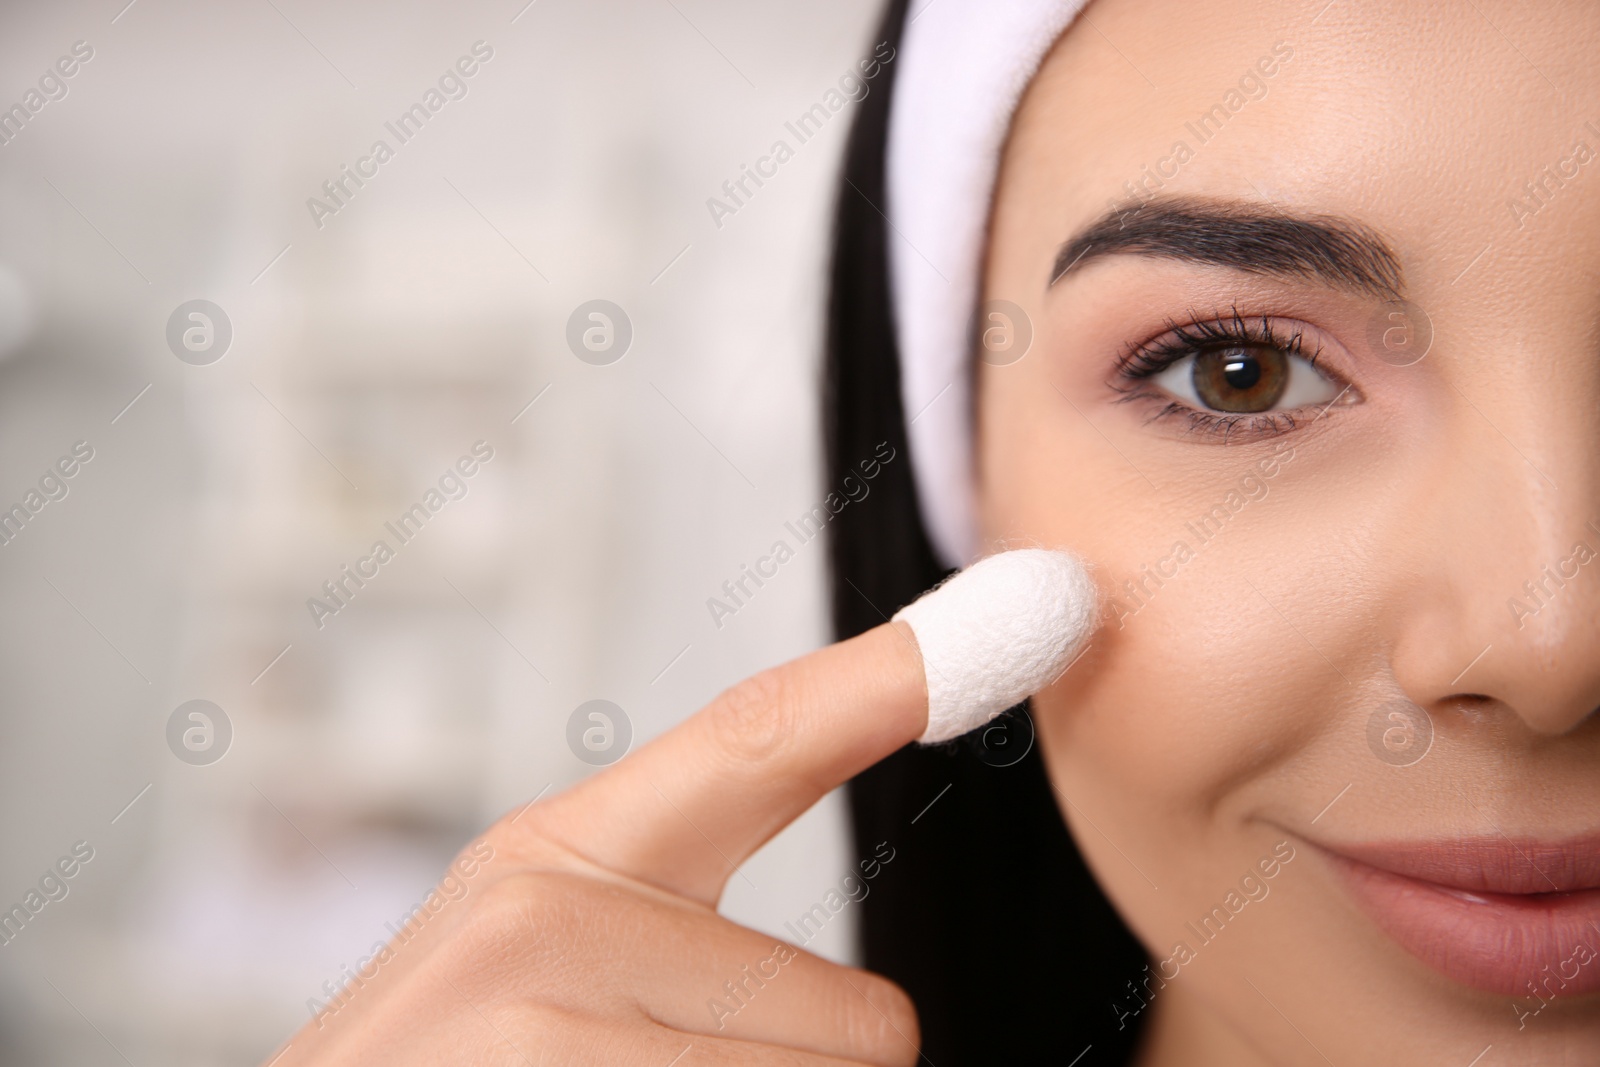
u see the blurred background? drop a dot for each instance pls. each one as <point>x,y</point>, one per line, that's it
<point>267,372</point>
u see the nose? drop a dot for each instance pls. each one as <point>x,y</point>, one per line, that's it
<point>1505,602</point>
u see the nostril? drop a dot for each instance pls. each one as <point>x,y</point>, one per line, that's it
<point>1475,715</point>
<point>1473,708</point>
<point>1503,722</point>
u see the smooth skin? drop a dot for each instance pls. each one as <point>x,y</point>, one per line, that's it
<point>1230,711</point>
<point>591,936</point>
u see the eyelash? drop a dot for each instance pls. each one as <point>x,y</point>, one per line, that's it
<point>1141,362</point>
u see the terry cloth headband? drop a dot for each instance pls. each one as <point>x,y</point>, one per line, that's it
<point>963,67</point>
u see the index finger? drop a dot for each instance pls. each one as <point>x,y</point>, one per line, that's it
<point>683,811</point>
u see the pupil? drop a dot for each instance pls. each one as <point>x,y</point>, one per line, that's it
<point>1241,379</point>
<point>1241,372</point>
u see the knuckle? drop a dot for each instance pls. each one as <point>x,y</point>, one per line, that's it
<point>522,835</point>
<point>554,936</point>
<point>753,721</point>
<point>535,926</point>
<point>887,1022</point>
<point>530,906</point>
<point>534,837</point>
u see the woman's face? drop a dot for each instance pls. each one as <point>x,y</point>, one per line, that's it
<point>1316,390</point>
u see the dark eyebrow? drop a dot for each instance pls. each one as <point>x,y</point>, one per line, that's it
<point>1335,251</point>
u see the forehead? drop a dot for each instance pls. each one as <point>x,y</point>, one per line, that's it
<point>1425,121</point>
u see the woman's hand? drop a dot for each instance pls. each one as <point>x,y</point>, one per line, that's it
<point>587,931</point>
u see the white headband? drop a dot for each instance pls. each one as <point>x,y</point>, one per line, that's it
<point>963,65</point>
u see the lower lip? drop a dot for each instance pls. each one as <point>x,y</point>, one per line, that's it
<point>1516,944</point>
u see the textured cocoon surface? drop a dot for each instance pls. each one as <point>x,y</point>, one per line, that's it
<point>997,633</point>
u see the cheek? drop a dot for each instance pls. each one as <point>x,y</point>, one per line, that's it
<point>1183,703</point>
<point>1206,681</point>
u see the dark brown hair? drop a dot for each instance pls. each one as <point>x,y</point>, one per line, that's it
<point>987,915</point>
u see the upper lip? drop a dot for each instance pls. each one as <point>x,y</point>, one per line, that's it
<point>1487,864</point>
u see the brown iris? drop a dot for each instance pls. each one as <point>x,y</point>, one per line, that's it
<point>1241,379</point>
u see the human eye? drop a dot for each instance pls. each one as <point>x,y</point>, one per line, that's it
<point>1231,375</point>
